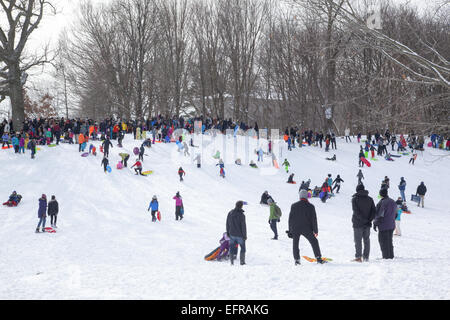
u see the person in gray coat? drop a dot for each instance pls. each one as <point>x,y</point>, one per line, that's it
<point>237,232</point>
<point>385,223</point>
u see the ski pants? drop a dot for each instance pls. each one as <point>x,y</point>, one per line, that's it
<point>154,215</point>
<point>386,244</point>
<point>360,236</point>
<point>234,241</point>
<point>402,193</point>
<point>178,213</point>
<point>53,219</point>
<point>312,240</point>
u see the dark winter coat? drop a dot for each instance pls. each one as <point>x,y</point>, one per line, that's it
<point>236,226</point>
<point>421,190</point>
<point>386,214</point>
<point>42,208</point>
<point>52,208</point>
<point>302,218</point>
<point>363,209</point>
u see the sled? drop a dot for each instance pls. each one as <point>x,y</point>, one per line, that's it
<point>4,148</point>
<point>119,166</point>
<point>136,150</point>
<point>158,216</point>
<point>395,156</point>
<point>430,144</point>
<point>10,204</point>
<point>415,198</point>
<point>315,260</point>
<point>108,168</point>
<point>84,155</point>
<point>213,254</point>
<point>49,230</point>
<point>415,157</point>
<point>374,159</point>
<point>293,182</point>
<point>366,162</point>
<point>407,212</point>
<point>52,145</point>
<point>147,173</point>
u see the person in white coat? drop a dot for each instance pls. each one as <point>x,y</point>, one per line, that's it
<point>347,135</point>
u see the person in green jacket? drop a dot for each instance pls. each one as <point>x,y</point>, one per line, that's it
<point>286,165</point>
<point>275,215</point>
<point>125,157</point>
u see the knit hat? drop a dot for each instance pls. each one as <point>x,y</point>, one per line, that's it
<point>359,187</point>
<point>383,193</point>
<point>44,196</point>
<point>303,194</point>
<point>239,204</point>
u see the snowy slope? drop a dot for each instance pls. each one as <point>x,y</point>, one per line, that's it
<point>108,248</point>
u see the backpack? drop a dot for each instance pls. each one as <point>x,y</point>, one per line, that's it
<point>277,211</point>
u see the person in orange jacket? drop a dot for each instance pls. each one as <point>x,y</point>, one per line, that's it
<point>80,141</point>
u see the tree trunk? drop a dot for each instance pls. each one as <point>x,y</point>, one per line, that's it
<point>16,96</point>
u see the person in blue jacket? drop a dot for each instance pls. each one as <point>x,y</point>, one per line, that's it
<point>15,143</point>
<point>42,213</point>
<point>154,206</point>
<point>397,231</point>
<point>5,140</point>
<point>402,187</point>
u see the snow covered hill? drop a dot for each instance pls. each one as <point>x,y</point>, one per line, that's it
<point>107,247</point>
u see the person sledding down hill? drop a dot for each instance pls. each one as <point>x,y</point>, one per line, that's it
<point>221,252</point>
<point>291,179</point>
<point>13,200</point>
<point>253,165</point>
<point>332,159</point>
<point>388,157</point>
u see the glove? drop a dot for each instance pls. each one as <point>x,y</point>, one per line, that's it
<point>278,220</point>
<point>375,228</point>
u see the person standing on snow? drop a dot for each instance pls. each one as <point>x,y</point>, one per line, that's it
<point>363,214</point>
<point>286,165</point>
<point>402,187</point>
<point>237,232</point>
<point>179,207</point>
<point>105,163</point>
<point>360,176</point>
<point>53,211</point>
<point>303,222</point>
<point>141,152</point>
<point>181,173</point>
<point>386,212</point>
<point>274,217</point>
<point>154,205</point>
<point>421,190</point>
<point>42,213</point>
<point>138,168</point>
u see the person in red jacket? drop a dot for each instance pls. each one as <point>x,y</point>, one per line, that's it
<point>138,168</point>
<point>181,173</point>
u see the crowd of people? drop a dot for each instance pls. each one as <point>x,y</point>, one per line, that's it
<point>384,217</point>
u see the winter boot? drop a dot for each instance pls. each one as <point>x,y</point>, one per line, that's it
<point>37,230</point>
<point>43,230</point>
<point>357,260</point>
<point>297,262</point>
<point>320,261</point>
<point>366,259</point>
<point>232,257</point>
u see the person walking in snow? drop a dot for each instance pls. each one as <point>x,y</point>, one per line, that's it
<point>363,214</point>
<point>237,232</point>
<point>179,207</point>
<point>181,173</point>
<point>337,183</point>
<point>402,187</point>
<point>154,205</point>
<point>386,211</point>
<point>413,156</point>
<point>360,157</point>
<point>53,211</point>
<point>260,154</point>
<point>141,153</point>
<point>360,176</point>
<point>106,144</point>
<point>303,222</point>
<point>274,217</point>
<point>421,190</point>
<point>286,165</point>
<point>347,135</point>
<point>32,147</point>
<point>105,163</point>
<point>42,213</point>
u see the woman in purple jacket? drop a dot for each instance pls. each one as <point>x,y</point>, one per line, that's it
<point>179,210</point>
<point>42,213</point>
<point>385,223</point>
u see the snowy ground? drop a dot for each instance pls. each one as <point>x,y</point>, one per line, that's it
<point>108,248</point>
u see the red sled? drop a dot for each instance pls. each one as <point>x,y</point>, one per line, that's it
<point>293,182</point>
<point>50,230</point>
<point>158,216</point>
<point>4,148</point>
<point>408,212</point>
<point>365,161</point>
<point>10,204</point>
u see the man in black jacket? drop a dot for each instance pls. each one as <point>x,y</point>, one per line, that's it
<point>237,231</point>
<point>421,190</point>
<point>303,222</point>
<point>363,214</point>
<point>106,144</point>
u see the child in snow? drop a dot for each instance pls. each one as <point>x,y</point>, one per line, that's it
<point>291,179</point>
<point>265,198</point>
<point>337,183</point>
<point>141,152</point>
<point>286,165</point>
<point>413,156</point>
<point>13,200</point>
<point>181,173</point>
<point>53,211</point>
<point>253,165</point>
<point>333,158</point>
<point>41,213</point>
<point>105,163</point>
<point>5,140</point>
<point>179,208</point>
<point>238,162</point>
<point>138,168</point>
<point>274,217</point>
<point>397,231</point>
<point>154,205</point>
